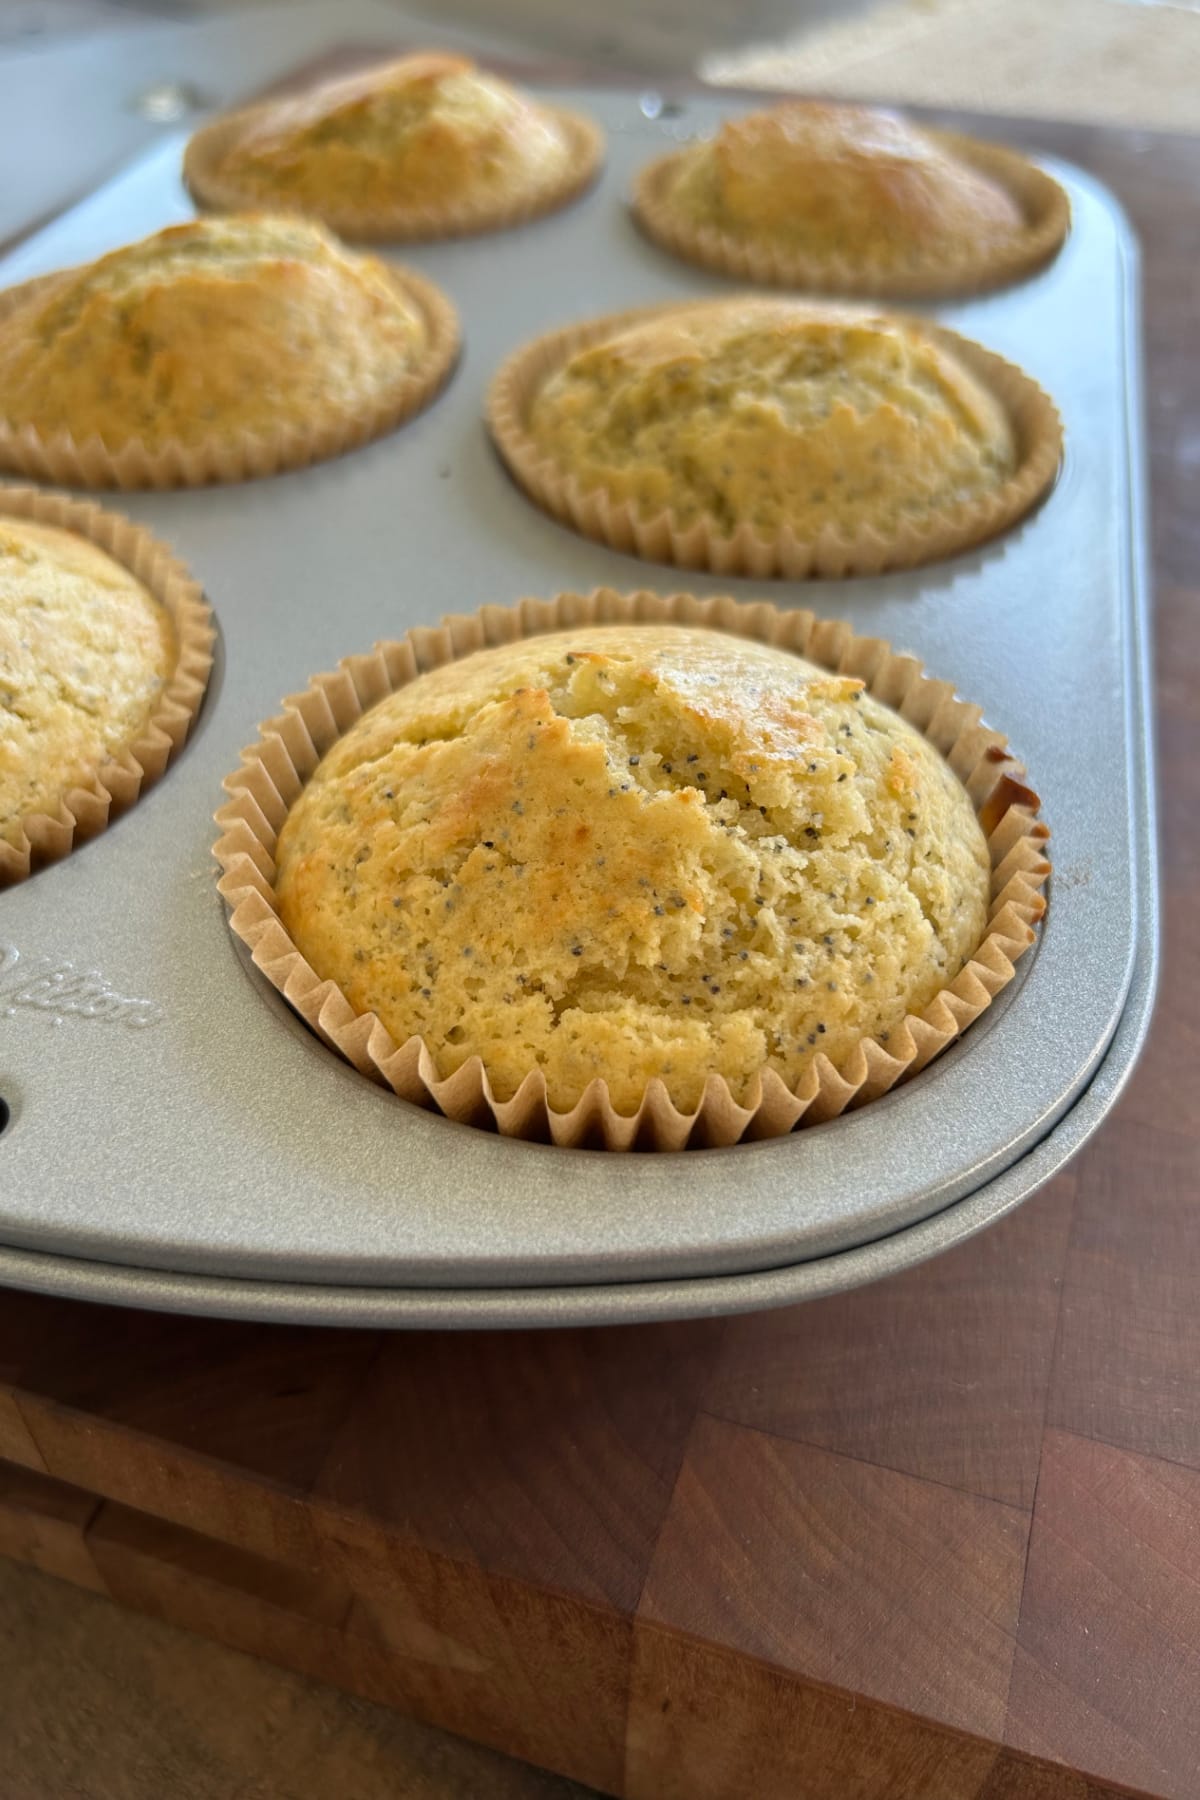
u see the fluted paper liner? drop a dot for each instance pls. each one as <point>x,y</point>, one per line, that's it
<point>274,770</point>
<point>702,544</point>
<point>414,223</point>
<point>238,455</point>
<point>1044,203</point>
<point>86,809</point>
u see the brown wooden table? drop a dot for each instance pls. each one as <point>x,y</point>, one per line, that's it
<point>936,1538</point>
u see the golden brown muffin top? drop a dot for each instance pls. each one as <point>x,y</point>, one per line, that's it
<point>423,130</point>
<point>857,181</point>
<point>220,327</point>
<point>85,651</point>
<point>634,851</point>
<point>775,414</point>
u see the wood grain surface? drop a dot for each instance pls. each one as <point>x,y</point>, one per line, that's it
<point>939,1537</point>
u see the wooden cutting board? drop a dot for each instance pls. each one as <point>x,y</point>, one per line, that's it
<point>936,1538</point>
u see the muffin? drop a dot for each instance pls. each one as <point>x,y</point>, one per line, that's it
<point>212,351</point>
<point>429,146</point>
<point>853,200</point>
<point>101,672</point>
<point>631,865</point>
<point>774,437</point>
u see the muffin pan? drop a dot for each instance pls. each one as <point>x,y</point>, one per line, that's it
<point>176,1136</point>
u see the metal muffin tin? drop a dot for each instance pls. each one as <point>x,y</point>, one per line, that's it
<point>179,1140</point>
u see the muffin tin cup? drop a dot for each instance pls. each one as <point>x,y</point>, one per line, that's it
<point>275,769</point>
<point>85,809</point>
<point>1045,205</point>
<point>217,192</point>
<point>702,544</point>
<point>243,455</point>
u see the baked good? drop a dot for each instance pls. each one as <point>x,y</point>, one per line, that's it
<point>522,836</point>
<point>853,198</point>
<point>634,851</point>
<point>772,434</point>
<point>826,177</point>
<point>754,412</point>
<point>425,146</point>
<point>85,651</point>
<point>214,349</point>
<point>101,670</point>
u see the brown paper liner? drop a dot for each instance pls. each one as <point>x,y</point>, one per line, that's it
<point>216,192</point>
<point>274,770</point>
<point>1045,205</point>
<point>85,810</point>
<point>241,455</point>
<point>701,544</point>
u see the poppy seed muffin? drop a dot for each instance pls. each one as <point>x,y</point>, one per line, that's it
<point>218,330</point>
<point>419,139</point>
<point>775,415</point>
<point>631,852</point>
<point>838,180</point>
<point>85,652</point>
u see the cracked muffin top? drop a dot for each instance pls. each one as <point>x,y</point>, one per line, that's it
<point>777,415</point>
<point>85,652</point>
<point>222,327</point>
<point>633,852</point>
<point>843,181</point>
<point>425,130</point>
